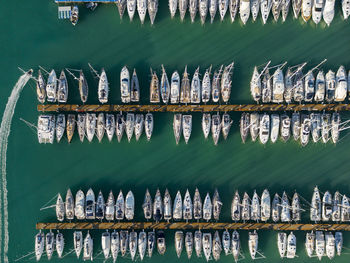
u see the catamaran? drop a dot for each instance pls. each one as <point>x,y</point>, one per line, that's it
<point>103,87</point>
<point>46,128</point>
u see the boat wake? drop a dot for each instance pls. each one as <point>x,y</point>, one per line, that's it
<point>4,134</point>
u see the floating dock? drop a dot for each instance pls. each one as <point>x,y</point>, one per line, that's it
<point>192,226</point>
<point>193,108</point>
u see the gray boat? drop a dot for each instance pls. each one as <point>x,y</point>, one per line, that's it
<point>147,206</point>
<point>217,205</point>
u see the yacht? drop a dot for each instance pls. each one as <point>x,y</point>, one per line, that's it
<point>186,127</point>
<point>233,7</point>
<point>292,245</point>
<point>142,244</point>
<point>223,6</point>
<point>207,208</point>
<point>135,88</point>
<point>215,86</point>
<point>78,242</point>
<point>236,245</point>
<point>265,206</point>
<point>244,126</point>
<point>206,86</point>
<point>51,87</point>
<point>285,127</point>
<point>285,208</point>
<point>79,209</point>
<point>173,7</point>
<point>164,87</point>
<point>276,7</point>
<point>296,208</point>
<point>193,7</point>
<point>196,88</point>
<point>288,92</point>
<point>62,88</point>
<point>131,8</point>
<point>119,126</point>
<point>296,125</point>
<point>133,244</point>
<point>187,207</point>
<point>255,85</point>
<point>149,125</point>
<point>341,86</point>
<point>306,11</point>
<point>226,242</point>
<point>110,207</point>
<point>100,130</point>
<point>154,88</point>
<point>90,126</point>
<point>265,7</point>
<point>129,206</point>
<point>305,130</point>
<point>49,244</point>
<point>130,125</point>
<point>226,82</point>
<point>106,244</point>
<point>197,205</point>
<point>266,87</point>
<point>245,212</point>
<point>345,209</point>
<point>217,205</point>
<point>125,84</point>
<point>175,88</point>
<point>255,212</point>
<point>60,208</point>
<point>275,127</point>
<point>328,11</point>
<point>244,10</point>
<point>139,123</point>
<point>336,207</point>
<point>189,244</point>
<point>152,9</point>
<point>41,93</point>
<point>296,7</point>
<point>217,247</point>
<point>39,245</point>
<point>83,87</point>
<point>253,243</point>
<point>335,127</point>
<point>177,126</point>
<point>207,245</point>
<point>282,244</point>
<point>320,87</point>
<point>310,243</point>
<point>216,128</point>
<point>167,205</point>
<point>315,210</point>
<point>177,208</point>
<point>226,125</point>
<point>59,244</point>
<point>213,6</point>
<point>161,246</point>
<point>203,10</point>
<point>236,207</point>
<point>60,126</point>
<point>276,208</point>
<point>121,7</point>
<point>309,87</point>
<point>285,9</point>
<point>70,126</point>
<point>124,242</point>
<point>185,94</point>
<point>158,207</point>
<point>147,206</point>
<point>317,9</point>
<point>100,206</point>
<point>278,86</point>
<point>103,87</point>
<point>151,239</point>
<point>298,86</point>
<point>338,242</point>
<point>198,243</point>
<point>330,86</point>
<point>69,205</point>
<point>330,245</point>
<point>254,6</point>
<point>110,126</point>
<point>255,125</point>
<point>120,206</point>
<point>88,248</point>
<point>327,206</point>
<point>142,10</point>
<point>316,126</point>
<point>183,8</point>
<point>206,124</point>
<point>264,130</point>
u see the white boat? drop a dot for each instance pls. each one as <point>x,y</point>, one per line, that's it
<point>207,245</point>
<point>316,126</point>
<point>133,244</point>
<point>296,125</point>
<point>80,205</point>
<point>124,242</point>
<point>345,8</point>
<point>309,87</point>
<point>78,242</point>
<point>149,123</point>
<point>110,126</point>
<point>131,8</point>
<point>167,206</point>
<point>217,205</point>
<point>158,207</point>
<point>198,243</point>
<point>288,92</point>
<point>129,206</point>
<point>310,243</point>
<point>327,206</point>
<point>236,245</point>
<point>125,83</point>
<point>39,245</point>
<point>189,244</point>
<point>177,209</point>
<point>276,208</point>
<point>175,88</point>
<point>216,128</point>
<point>292,245</point>
<point>299,90</point>
<point>226,82</point>
<point>83,87</point>
<point>226,242</point>
<point>236,207</point>
<point>285,208</point>
<point>193,7</point>
<point>275,127</point>
<point>285,127</point>
<point>317,10</point>
<point>60,209</point>
<point>173,7</point>
<point>278,86</point>
<point>245,212</point>
<point>90,126</point>
<point>134,88</point>
<point>103,87</point>
<point>119,126</point>
<point>183,8</point>
<point>296,208</point>
<point>60,126</point>
<point>51,87</point>
<point>244,125</point>
<point>345,209</point>
<point>120,206</point>
<point>69,205</point>
<point>255,212</point>
<point>213,6</point>
<point>338,242</point>
<point>330,86</point>
<point>164,87</point>
<point>223,6</point>
<point>330,245</point>
<point>177,127</point>
<point>226,125</point>
<point>142,10</point>
<point>179,240</point>
<point>142,244</point>
<point>206,124</point>
<point>233,7</point>
<point>121,7</point>
<point>335,127</point>
<point>320,87</point>
<point>305,130</point>
<point>255,6</point>
<point>316,206</point>
<point>217,247</point>
<point>244,10</point>
<point>100,126</point>
<point>152,10</point>
<point>110,207</point>
<point>139,123</point>
<point>49,244</point>
<point>285,9</point>
<point>282,244</point>
<point>336,207</point>
<point>41,91</point>
<point>100,206</point>
<point>341,86</point>
<point>265,7</point>
<point>203,10</point>
<point>197,205</point>
<point>106,244</point>
<point>255,125</point>
<point>265,205</point>
<point>187,209</point>
<point>264,129</point>
<point>207,208</point>
<point>62,88</point>
<point>196,88</point>
<point>215,86</point>
<point>296,7</point>
<point>306,11</point>
<point>151,240</point>
<point>253,243</point>
<point>130,125</point>
<point>206,86</point>
<point>186,127</point>
<point>147,206</point>
<point>328,11</point>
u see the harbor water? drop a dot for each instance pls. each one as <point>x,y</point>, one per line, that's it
<point>31,35</point>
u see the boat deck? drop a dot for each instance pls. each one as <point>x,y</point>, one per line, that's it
<point>193,108</point>
<point>194,225</point>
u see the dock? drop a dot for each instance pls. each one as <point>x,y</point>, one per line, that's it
<point>192,226</point>
<point>194,108</point>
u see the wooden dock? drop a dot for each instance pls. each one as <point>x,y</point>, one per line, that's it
<point>193,226</point>
<point>193,108</point>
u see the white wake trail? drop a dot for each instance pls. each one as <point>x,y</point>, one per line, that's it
<point>4,134</point>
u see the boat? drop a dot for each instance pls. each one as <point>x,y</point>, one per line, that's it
<point>152,9</point>
<point>189,244</point>
<point>158,207</point>
<point>125,80</point>
<point>78,242</point>
<point>338,242</point>
<point>106,244</point>
<point>298,81</point>
<point>285,208</point>
<point>296,208</point>
<point>328,11</point>
<point>288,82</point>
<point>264,129</point>
<point>265,7</point>
<point>203,10</point>
<point>142,244</point>
<point>226,125</point>
<point>282,243</point>
<point>217,247</point>
<point>236,245</point>
<point>62,88</point>
<point>69,205</point>
<point>327,206</point>
<point>216,128</point>
<point>133,244</point>
<point>147,206</point>
<point>296,4</point>
<point>39,245</point>
<point>213,6</point>
<point>217,205</point>
<point>151,239</point>
<point>223,6</point>
<point>51,87</point>
<point>130,125</point>
<point>310,243</point>
<point>192,8</point>
<point>164,87</point>
<point>110,126</point>
<point>177,126</point>
<point>135,88</point>
<point>207,208</point>
<point>292,245</point>
<point>306,7</point>
<point>142,10</point>
<point>236,207</point>
<point>115,245</point>
<point>139,123</point>
<point>253,243</point>
<point>183,8</point>
<point>265,206</point>
<point>187,209</point>
<point>88,248</point>
<point>70,126</point>
<point>285,127</point>
<point>120,126</point>
<point>335,127</point>
<point>49,244</point>
<point>100,129</point>
<point>255,212</point>
<point>276,208</point>
<point>316,126</point>
<point>275,127</point>
<point>336,213</point>
<point>278,86</point>
<point>255,125</point>
<point>341,85</point>
<point>285,9</point>
<point>198,243</point>
<point>196,88</point>
<point>83,87</point>
<point>173,7</point>
<point>129,206</point>
<point>60,126</point>
<point>121,7</point>
<point>120,206</point>
<point>46,128</point>
<point>161,246</point>
<point>330,245</point>
<point>207,245</point>
<point>309,87</point>
<point>296,125</point>
<point>345,8</point>
<point>177,209</point>
<point>233,7</point>
<point>266,87</point>
<point>255,6</point>
<point>41,93</point>
<point>149,125</point>
<point>186,127</point>
<point>167,205</point>
<point>175,88</point>
<point>100,207</point>
<point>244,126</point>
<point>110,207</point>
<point>206,124</point>
<point>317,9</point>
<point>131,8</point>
<point>79,208</point>
<point>345,209</point>
<point>215,86</point>
<point>276,6</point>
<point>197,205</point>
<point>60,208</point>
<point>245,212</point>
<point>244,10</point>
<point>315,210</point>
<point>124,242</point>
<point>330,86</point>
<point>154,88</point>
<point>185,93</point>
<point>305,129</point>
<point>320,87</point>
<point>226,81</point>
<point>103,87</point>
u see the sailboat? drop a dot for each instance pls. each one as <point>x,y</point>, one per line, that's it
<point>120,206</point>
<point>62,88</point>
<point>255,6</point>
<point>306,11</point>
<point>244,10</point>
<point>103,87</point>
<point>40,90</point>
<point>207,208</point>
<point>79,209</point>
<point>315,210</point>
<point>226,82</point>
<point>328,11</point>
<point>78,242</point>
<point>265,205</point>
<point>206,86</point>
<point>255,125</point>
<point>206,124</point>
<point>167,205</point>
<point>164,87</point>
<point>39,245</point>
<point>152,10</point>
<point>51,87</point>
<point>49,244</point>
<point>120,126</point>
<point>223,6</point>
<point>215,128</point>
<point>135,88</point>
<point>189,244</point>
<point>217,247</point>
<point>196,88</point>
<point>142,10</point>
<point>264,129</point>
<point>131,8</point>
<point>203,10</point>
<point>175,88</point>
<point>60,126</point>
<point>173,7</point>
<point>121,7</point>
<point>183,8</point>
<point>185,94</point>
<point>193,7</point>
<point>154,88</point>
<point>110,126</point>
<point>197,205</point>
<point>129,206</point>
<point>187,127</point>
<point>255,85</point>
<point>177,208</point>
<point>213,6</point>
<point>83,87</point>
<point>100,126</point>
<point>253,244</point>
<point>106,244</point>
<point>60,209</point>
<point>110,207</point>
<point>139,123</point>
<point>149,123</point>
<point>233,7</point>
<point>275,127</point>
<point>177,126</point>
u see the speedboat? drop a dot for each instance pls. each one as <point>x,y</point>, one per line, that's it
<point>139,123</point>
<point>175,88</point>
<point>149,125</point>
<point>206,124</point>
<point>328,11</point>
<point>106,244</point>
<point>338,242</point>
<point>203,10</point>
<point>255,85</point>
<point>100,129</point>
<point>198,243</point>
<point>193,7</point>
<point>206,86</point>
<point>236,207</point>
<point>90,126</point>
<point>129,206</point>
<point>345,209</point>
<point>320,87</point>
<point>135,88</point>
<point>244,126</point>
<point>226,82</point>
<point>330,245</point>
<point>217,205</point>
<point>189,244</point>
<point>233,7</point>
<point>207,208</point>
<point>282,243</point>
<point>285,127</point>
<point>151,239</point>
<point>298,85</point>
<point>110,207</point>
<point>142,244</point>
<point>255,208</point>
<point>69,205</point>
<point>216,128</point>
<point>226,242</point>
<point>60,126</point>
<point>306,11</point>
<point>296,125</point>
<point>197,205</point>
<point>215,86</point>
<point>285,9</point>
<point>161,245</point>
<point>316,126</point>
<point>152,9</point>
<point>254,6</point>
<point>265,7</point>
<point>245,212</point>
<point>124,242</point>
<point>158,207</point>
<point>100,206</point>
<point>103,87</point>
<point>147,205</point>
<point>187,209</point>
<point>341,86</point>
<point>51,87</point>
<point>288,92</point>
<point>223,6</point>
<point>183,8</point>
<point>154,88</point>
<point>49,244</point>
<point>336,207</point>
<point>40,92</point>
<point>236,245</point>
<point>276,7</point>
<point>315,210</point>
<point>142,10</point>
<point>70,126</point>
<point>264,130</point>
<point>330,86</point>
<point>292,245</point>
<point>309,87</point>
<point>213,6</point>
<point>217,247</point>
<point>186,127</point>
<point>110,126</point>
<point>335,127</point>
<point>133,244</point>
<point>177,209</point>
<point>80,205</point>
<point>285,208</point>
<point>244,10</point>
<point>278,86</point>
<point>130,125</point>
<point>255,125</point>
<point>164,87</point>
<point>177,126</point>
<point>275,127</point>
<point>305,130</point>
<point>62,88</point>
<point>78,242</point>
<point>120,206</point>
<point>296,208</point>
<point>265,205</point>
<point>173,7</point>
<point>310,243</point>
<point>253,243</point>
<point>131,8</point>
<point>207,245</point>
<point>39,245</point>
<point>327,206</point>
<point>185,93</point>
<point>83,87</point>
<point>276,208</point>
<point>196,88</point>
<point>317,9</point>
<point>119,126</point>
<point>60,209</point>
<point>125,83</point>
<point>226,125</point>
<point>121,7</point>
<point>167,205</point>
<point>296,7</point>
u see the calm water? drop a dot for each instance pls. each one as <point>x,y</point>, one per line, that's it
<point>31,35</point>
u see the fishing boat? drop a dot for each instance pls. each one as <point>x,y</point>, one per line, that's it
<point>320,87</point>
<point>288,92</point>
<point>135,88</point>
<point>217,247</point>
<point>316,126</point>
<point>216,128</point>
<point>330,86</point>
<point>130,125</point>
<point>310,243</point>
<point>177,209</point>
<point>206,124</point>
<point>207,245</point>
<point>236,245</point>
<point>103,87</point>
<point>215,91</point>
<point>317,9</point>
<point>264,129</point>
<point>282,244</point>
<point>328,11</point>
<point>152,10</point>
<point>133,244</point>
<point>193,7</point>
<point>285,208</point>
<point>255,125</point>
<point>100,206</point>
<point>173,7</point>
<point>60,208</point>
<point>198,243</point>
<point>315,209</point>
<point>187,209</point>
<point>255,6</point>
<point>49,244</point>
<point>223,6</point>
<point>226,125</point>
<point>147,206</point>
<point>110,126</point>
<point>39,245</point>
<point>175,88</point>
<point>161,246</point>
<point>336,207</point>
<point>244,126</point>
<point>306,7</point>
<point>106,244</point>
<point>110,207</point>
<point>46,128</point>
<point>60,126</point>
<point>151,240</point>
<point>345,209</point>
<point>207,208</point>
<point>78,242</point>
<point>305,130</point>
<point>69,205</point>
<point>167,205</point>
<point>203,10</point>
<point>62,88</point>
<point>244,10</point>
<point>345,8</point>
<point>296,125</point>
<point>164,86</point>
<point>51,87</point>
<point>183,8</point>
<point>236,207</point>
<point>276,6</point>
<point>265,7</point>
<point>327,206</point>
<point>185,94</point>
<point>120,206</point>
<point>285,127</point>
<point>253,243</point>
<point>330,245</point>
<point>124,242</point>
<point>120,126</point>
<point>88,248</point>
<point>285,9</point>
<point>265,205</point>
<point>296,4</point>
<point>341,86</point>
<point>226,82</point>
<point>338,242</point>
<point>142,244</point>
<point>292,245</point>
<point>206,86</point>
<point>129,206</point>
<point>197,205</point>
<point>245,212</point>
<point>83,87</point>
<point>189,244</point>
<point>278,86</point>
<point>335,127</point>
<point>275,127</point>
<point>213,6</point>
<point>186,127</point>
<point>100,130</point>
<point>177,126</point>
<point>139,123</point>
<point>298,85</point>
<point>296,208</point>
<point>309,87</point>
<point>255,85</point>
<point>40,92</point>
<point>255,212</point>
<point>158,207</point>
<point>131,8</point>
<point>196,88</point>
<point>154,88</point>
<point>233,7</point>
<point>276,208</point>
<point>142,10</point>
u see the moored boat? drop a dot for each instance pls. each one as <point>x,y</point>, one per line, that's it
<point>134,88</point>
<point>206,124</point>
<point>226,125</point>
<point>177,208</point>
<point>142,10</point>
<point>69,205</point>
<point>158,207</point>
<point>189,244</point>
<point>213,6</point>
<point>100,126</point>
<point>39,245</point>
<point>197,205</point>
<point>292,245</point>
<point>106,244</point>
<point>139,123</point>
<point>49,244</point>
<point>315,210</point>
<point>306,11</point>
<point>167,205</point>
<point>330,86</point>
<point>187,127</point>
<point>60,126</point>
<point>88,248</point>
<point>129,206</point>
<point>103,87</point>
<point>78,242</point>
<point>100,206</point>
<point>265,205</point>
<point>187,209</point>
<point>60,209</point>
<point>120,206</point>
<point>185,93</point>
<point>154,88</point>
<point>51,87</point>
<point>216,128</point>
<point>152,10</point>
<point>164,87</point>
<point>149,125</point>
<point>175,88</point>
<point>119,126</point>
<point>207,208</point>
<point>310,243</point>
<point>196,88</point>
<point>253,244</point>
<point>62,88</point>
<point>147,206</point>
<point>40,91</point>
<point>110,126</point>
<point>264,129</point>
<point>130,125</point>
<point>244,10</point>
<point>275,127</point>
<point>110,207</point>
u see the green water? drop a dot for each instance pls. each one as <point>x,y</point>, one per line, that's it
<point>31,35</point>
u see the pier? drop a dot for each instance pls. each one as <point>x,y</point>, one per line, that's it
<point>193,108</point>
<point>192,226</point>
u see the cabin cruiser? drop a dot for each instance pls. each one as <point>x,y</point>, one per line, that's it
<point>276,208</point>
<point>330,245</point>
<point>149,125</point>
<point>341,86</point>
<point>327,206</point>
<point>265,205</point>
<point>292,245</point>
<point>236,245</point>
<point>254,6</point>
<point>207,245</point>
<point>216,128</point>
<point>90,126</point>
<point>142,10</point>
<point>186,127</point>
<point>106,244</point>
<point>185,94</point>
<point>175,88</point>
<point>206,124</point>
<point>215,86</point>
<point>177,126</point>
<point>255,125</point>
<point>315,210</point>
<point>345,209</point>
<point>296,125</point>
<point>125,83</point>
<point>129,206</point>
<point>177,209</point>
<point>305,130</point>
<point>183,8</point>
<point>203,10</point>
<point>139,123</point>
<point>309,87</point>
<point>49,244</point>
<point>207,208</point>
<point>217,205</point>
<point>244,10</point>
<point>133,244</point>
<point>198,243</point>
<point>100,206</point>
<point>130,125</point>
<point>51,87</point>
<point>310,243</point>
<point>285,127</point>
<point>110,126</point>
<point>131,8</point>
<point>226,242</point>
<point>217,247</point>
<point>69,205</point>
<point>46,128</point>
<point>70,126</point>
<point>285,208</point>
<point>60,126</point>
<point>244,126</point>
<point>78,242</point>
<point>213,6</point>
<point>167,205</point>
<point>142,244</point>
<point>266,87</point>
<point>189,244</point>
<point>161,246</point>
<point>245,212</point>
<point>40,91</point>
<point>62,88</point>
<point>255,85</point>
<point>197,205</point>
<point>124,242</point>
<point>282,244</point>
<point>336,207</point>
<point>328,11</point>
<point>306,11</point>
<point>335,127</point>
<point>187,207</point>
<point>255,208</point>
<point>60,208</point>
<point>320,87</point>
<point>264,130</point>
<point>276,6</point>
<point>316,126</point>
<point>285,9</point>
<point>158,207</point>
<point>206,86</point>
<point>223,6</point>
<point>120,206</point>
<point>147,205</point>
<point>164,87</point>
<point>103,87</point>
<point>296,208</point>
<point>152,9</point>
<point>330,86</point>
<point>39,245</point>
<point>253,243</point>
<point>288,92</point>
<point>236,207</point>
<point>275,127</point>
<point>317,9</point>
<point>110,207</point>
<point>233,7</point>
<point>173,7</point>
<point>193,7</point>
<point>338,242</point>
<point>121,7</point>
<point>119,126</point>
<point>100,130</point>
<point>296,7</point>
<point>151,240</point>
<point>154,88</point>
<point>226,125</point>
<point>278,86</point>
<point>196,88</point>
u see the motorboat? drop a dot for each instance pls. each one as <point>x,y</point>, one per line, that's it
<point>161,246</point>
<point>177,208</point>
<point>90,126</point>
<point>139,123</point>
<point>216,128</point>
<point>79,208</point>
<point>245,211</point>
<point>196,88</point>
<point>119,126</point>
<point>255,85</point>
<point>147,206</point>
<point>167,206</point>
<point>100,126</point>
<point>328,11</point>
<point>129,206</point>
<point>305,129</point>
<point>317,10</point>
<point>62,88</point>
<point>164,87</point>
<point>154,88</point>
<point>149,123</point>
<point>175,88</point>
<point>206,124</point>
<point>316,206</point>
<point>41,95</point>
<point>125,81</point>
<point>264,129</point>
<point>60,126</point>
<point>106,244</point>
<point>278,86</point>
<point>185,93</point>
<point>310,243</point>
<point>327,206</point>
<point>78,242</point>
<point>316,126</point>
<point>226,125</point>
<point>158,207</point>
<point>296,125</point>
<point>151,240</point>
<point>60,208</point>
<point>197,205</point>
<point>338,242</point>
<point>110,126</point>
<point>306,10</point>
<point>217,247</point>
<point>207,208</point>
<point>255,125</point>
<point>187,209</point>
<point>134,88</point>
<point>206,86</point>
<point>69,205</point>
<point>341,85</point>
<point>186,127</point>
<point>288,82</point>
<point>189,244</point>
<point>276,208</point>
<point>265,206</point>
<point>255,212</point>
<point>103,87</point>
<point>282,244</point>
<point>292,245</point>
<point>253,244</point>
<point>285,127</point>
<point>335,130</point>
<point>330,86</point>
<point>298,84</point>
<point>330,245</point>
<point>110,207</point>
<point>124,242</point>
<point>120,206</point>
<point>100,206</point>
<point>51,87</point>
<point>130,125</point>
<point>309,87</point>
<point>345,209</point>
<point>266,86</point>
<point>236,207</point>
<point>177,126</point>
<point>275,127</point>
